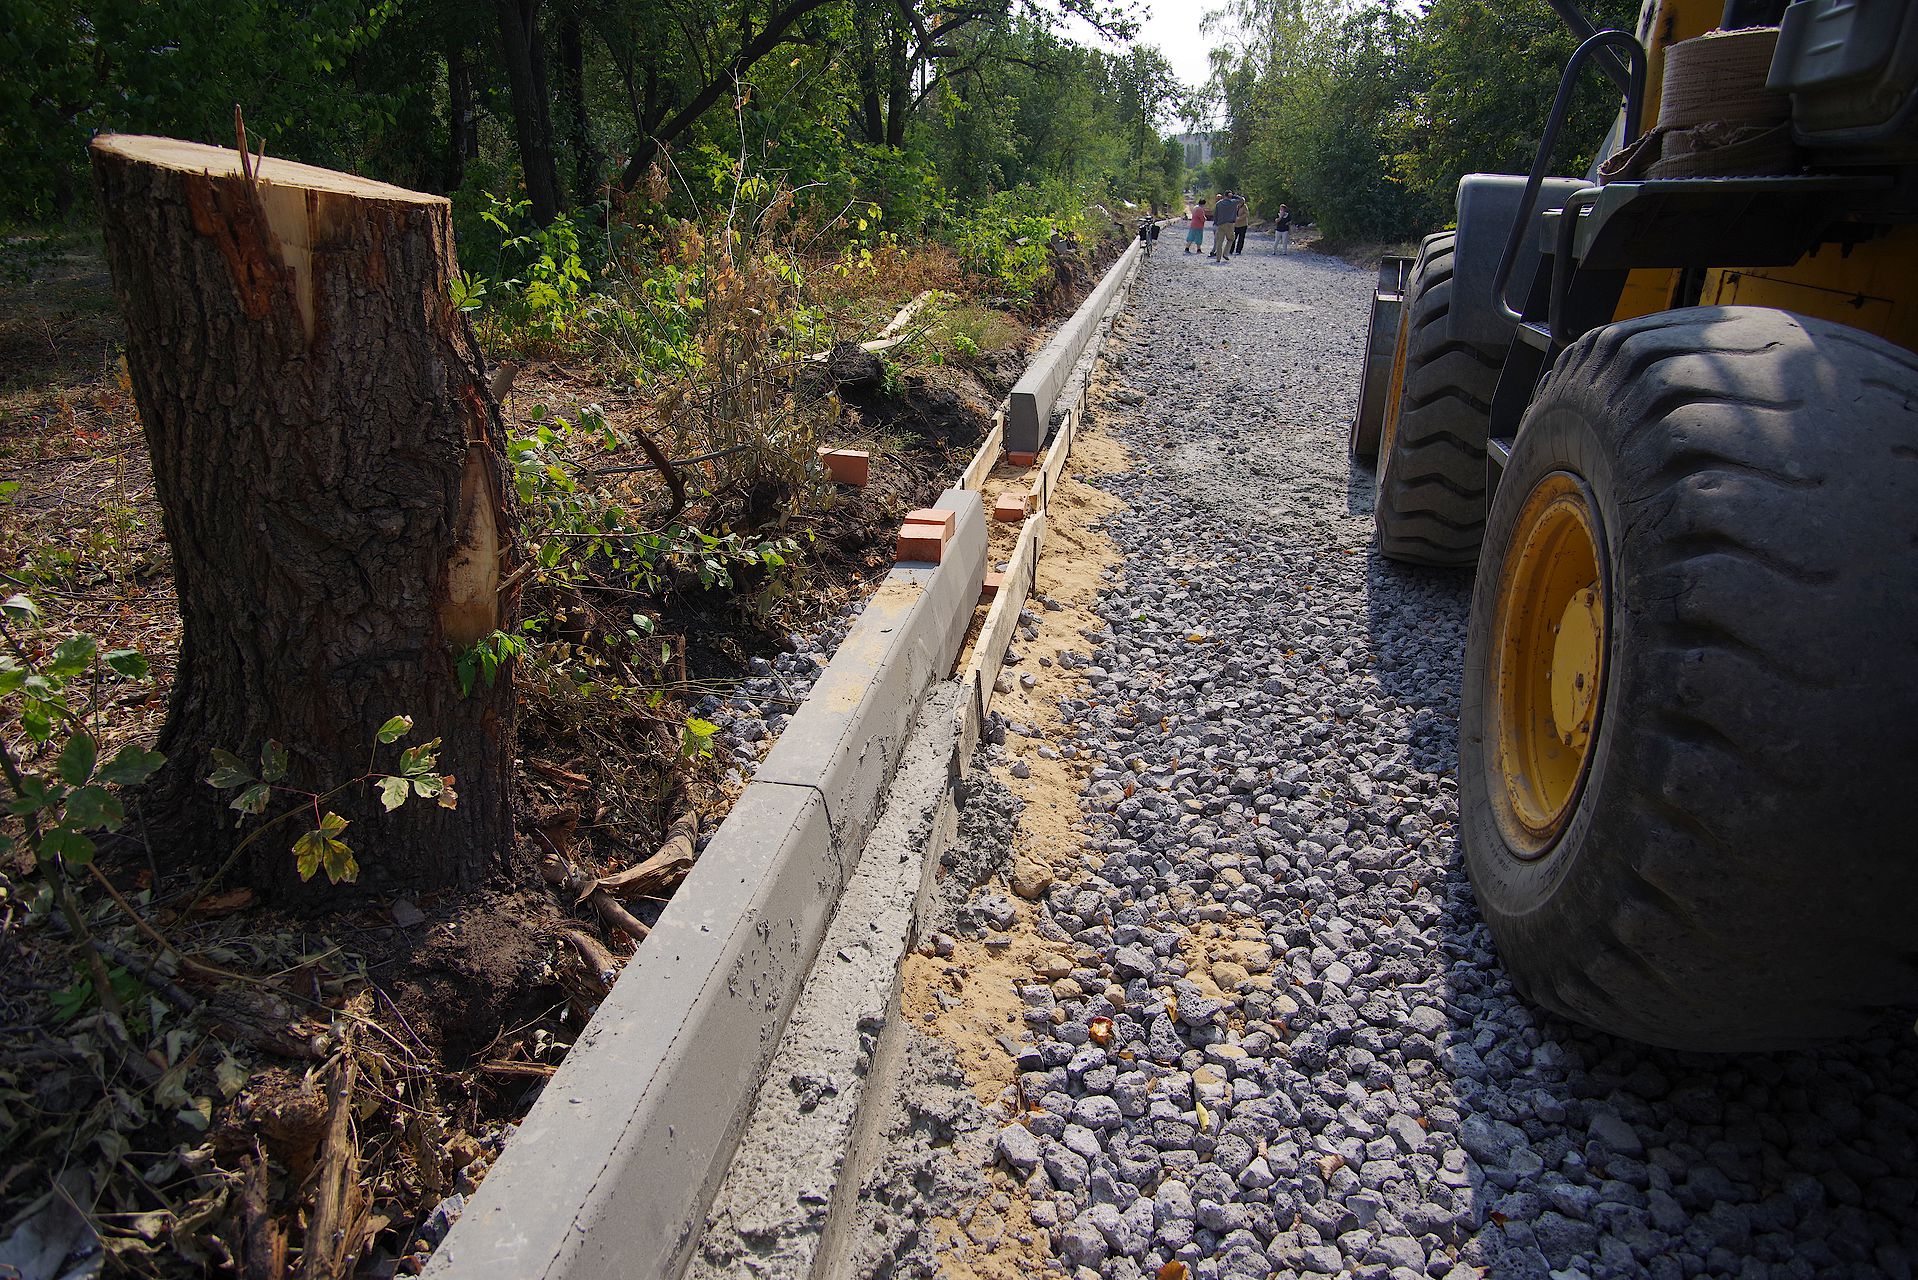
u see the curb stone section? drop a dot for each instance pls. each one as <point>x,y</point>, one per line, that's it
<point>611,1173</point>
<point>778,1205</point>
<point>853,724</point>
<point>600,1179</point>
<point>1030,405</point>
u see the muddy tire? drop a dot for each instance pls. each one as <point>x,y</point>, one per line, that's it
<point>1736,867</point>
<point>1431,470</point>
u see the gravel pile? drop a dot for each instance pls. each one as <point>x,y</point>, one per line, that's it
<point>1285,1044</point>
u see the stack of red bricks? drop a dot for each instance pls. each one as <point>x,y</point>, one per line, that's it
<point>924,535</point>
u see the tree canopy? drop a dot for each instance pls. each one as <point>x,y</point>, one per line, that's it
<point>906,101</point>
<point>1365,115</point>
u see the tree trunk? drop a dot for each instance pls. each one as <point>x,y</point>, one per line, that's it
<point>461,135</point>
<point>579,126</point>
<point>899,73</point>
<point>532,105</point>
<point>327,457</point>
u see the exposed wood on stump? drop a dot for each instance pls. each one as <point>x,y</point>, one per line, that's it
<point>337,1229</point>
<point>327,454</point>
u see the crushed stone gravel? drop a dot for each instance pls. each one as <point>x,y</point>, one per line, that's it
<point>1310,1061</point>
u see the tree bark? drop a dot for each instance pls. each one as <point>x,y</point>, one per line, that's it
<point>327,457</point>
<point>461,135</point>
<point>579,125</point>
<point>532,105</point>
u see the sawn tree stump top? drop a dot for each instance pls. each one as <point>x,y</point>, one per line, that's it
<point>224,162</point>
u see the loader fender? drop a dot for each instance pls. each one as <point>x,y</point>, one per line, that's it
<point>1487,204</point>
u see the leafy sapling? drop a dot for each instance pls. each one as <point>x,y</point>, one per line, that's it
<point>62,798</point>
<point>319,847</point>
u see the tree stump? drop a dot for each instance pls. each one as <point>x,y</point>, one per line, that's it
<point>327,455</point>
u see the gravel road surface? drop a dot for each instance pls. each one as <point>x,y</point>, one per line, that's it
<point>1313,1064</point>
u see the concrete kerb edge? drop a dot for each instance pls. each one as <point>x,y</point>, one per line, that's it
<point>784,1200</point>
<point>1044,379</point>
<point>613,1171</point>
<point>977,693</point>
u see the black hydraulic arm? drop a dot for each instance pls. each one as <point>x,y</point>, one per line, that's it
<point>1561,107</point>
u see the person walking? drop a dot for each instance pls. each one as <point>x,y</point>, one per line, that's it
<point>1225,212</point>
<point>1282,230</point>
<point>1241,224</point>
<point>1195,228</point>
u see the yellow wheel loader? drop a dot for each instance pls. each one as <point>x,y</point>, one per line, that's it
<point>1670,412</point>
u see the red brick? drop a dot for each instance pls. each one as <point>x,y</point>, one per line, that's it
<point>847,466</point>
<point>1018,459</point>
<point>920,543</point>
<point>1011,505</point>
<point>994,580</point>
<point>932,515</point>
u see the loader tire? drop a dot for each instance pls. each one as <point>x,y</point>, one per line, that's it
<point>1430,507</point>
<point>1733,865</point>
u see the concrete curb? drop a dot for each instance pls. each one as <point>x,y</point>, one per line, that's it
<point>784,1192</point>
<point>614,1170</point>
<point>1029,407</point>
<point>611,1173</point>
<point>978,683</point>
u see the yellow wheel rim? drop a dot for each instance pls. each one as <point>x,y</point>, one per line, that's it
<point>1551,629</point>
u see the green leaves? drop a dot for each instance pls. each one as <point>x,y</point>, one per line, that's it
<point>393,792</point>
<point>71,657</point>
<point>60,802</point>
<point>253,799</point>
<point>696,738</point>
<point>77,758</point>
<point>395,729</point>
<point>131,766</point>
<point>228,770</point>
<point>273,761</point>
<point>94,807</point>
<point>482,662</point>
<point>415,761</point>
<point>19,611</point>
<point>322,849</point>
<point>67,845</point>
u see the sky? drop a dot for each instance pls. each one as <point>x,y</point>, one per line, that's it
<point>1173,26</point>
